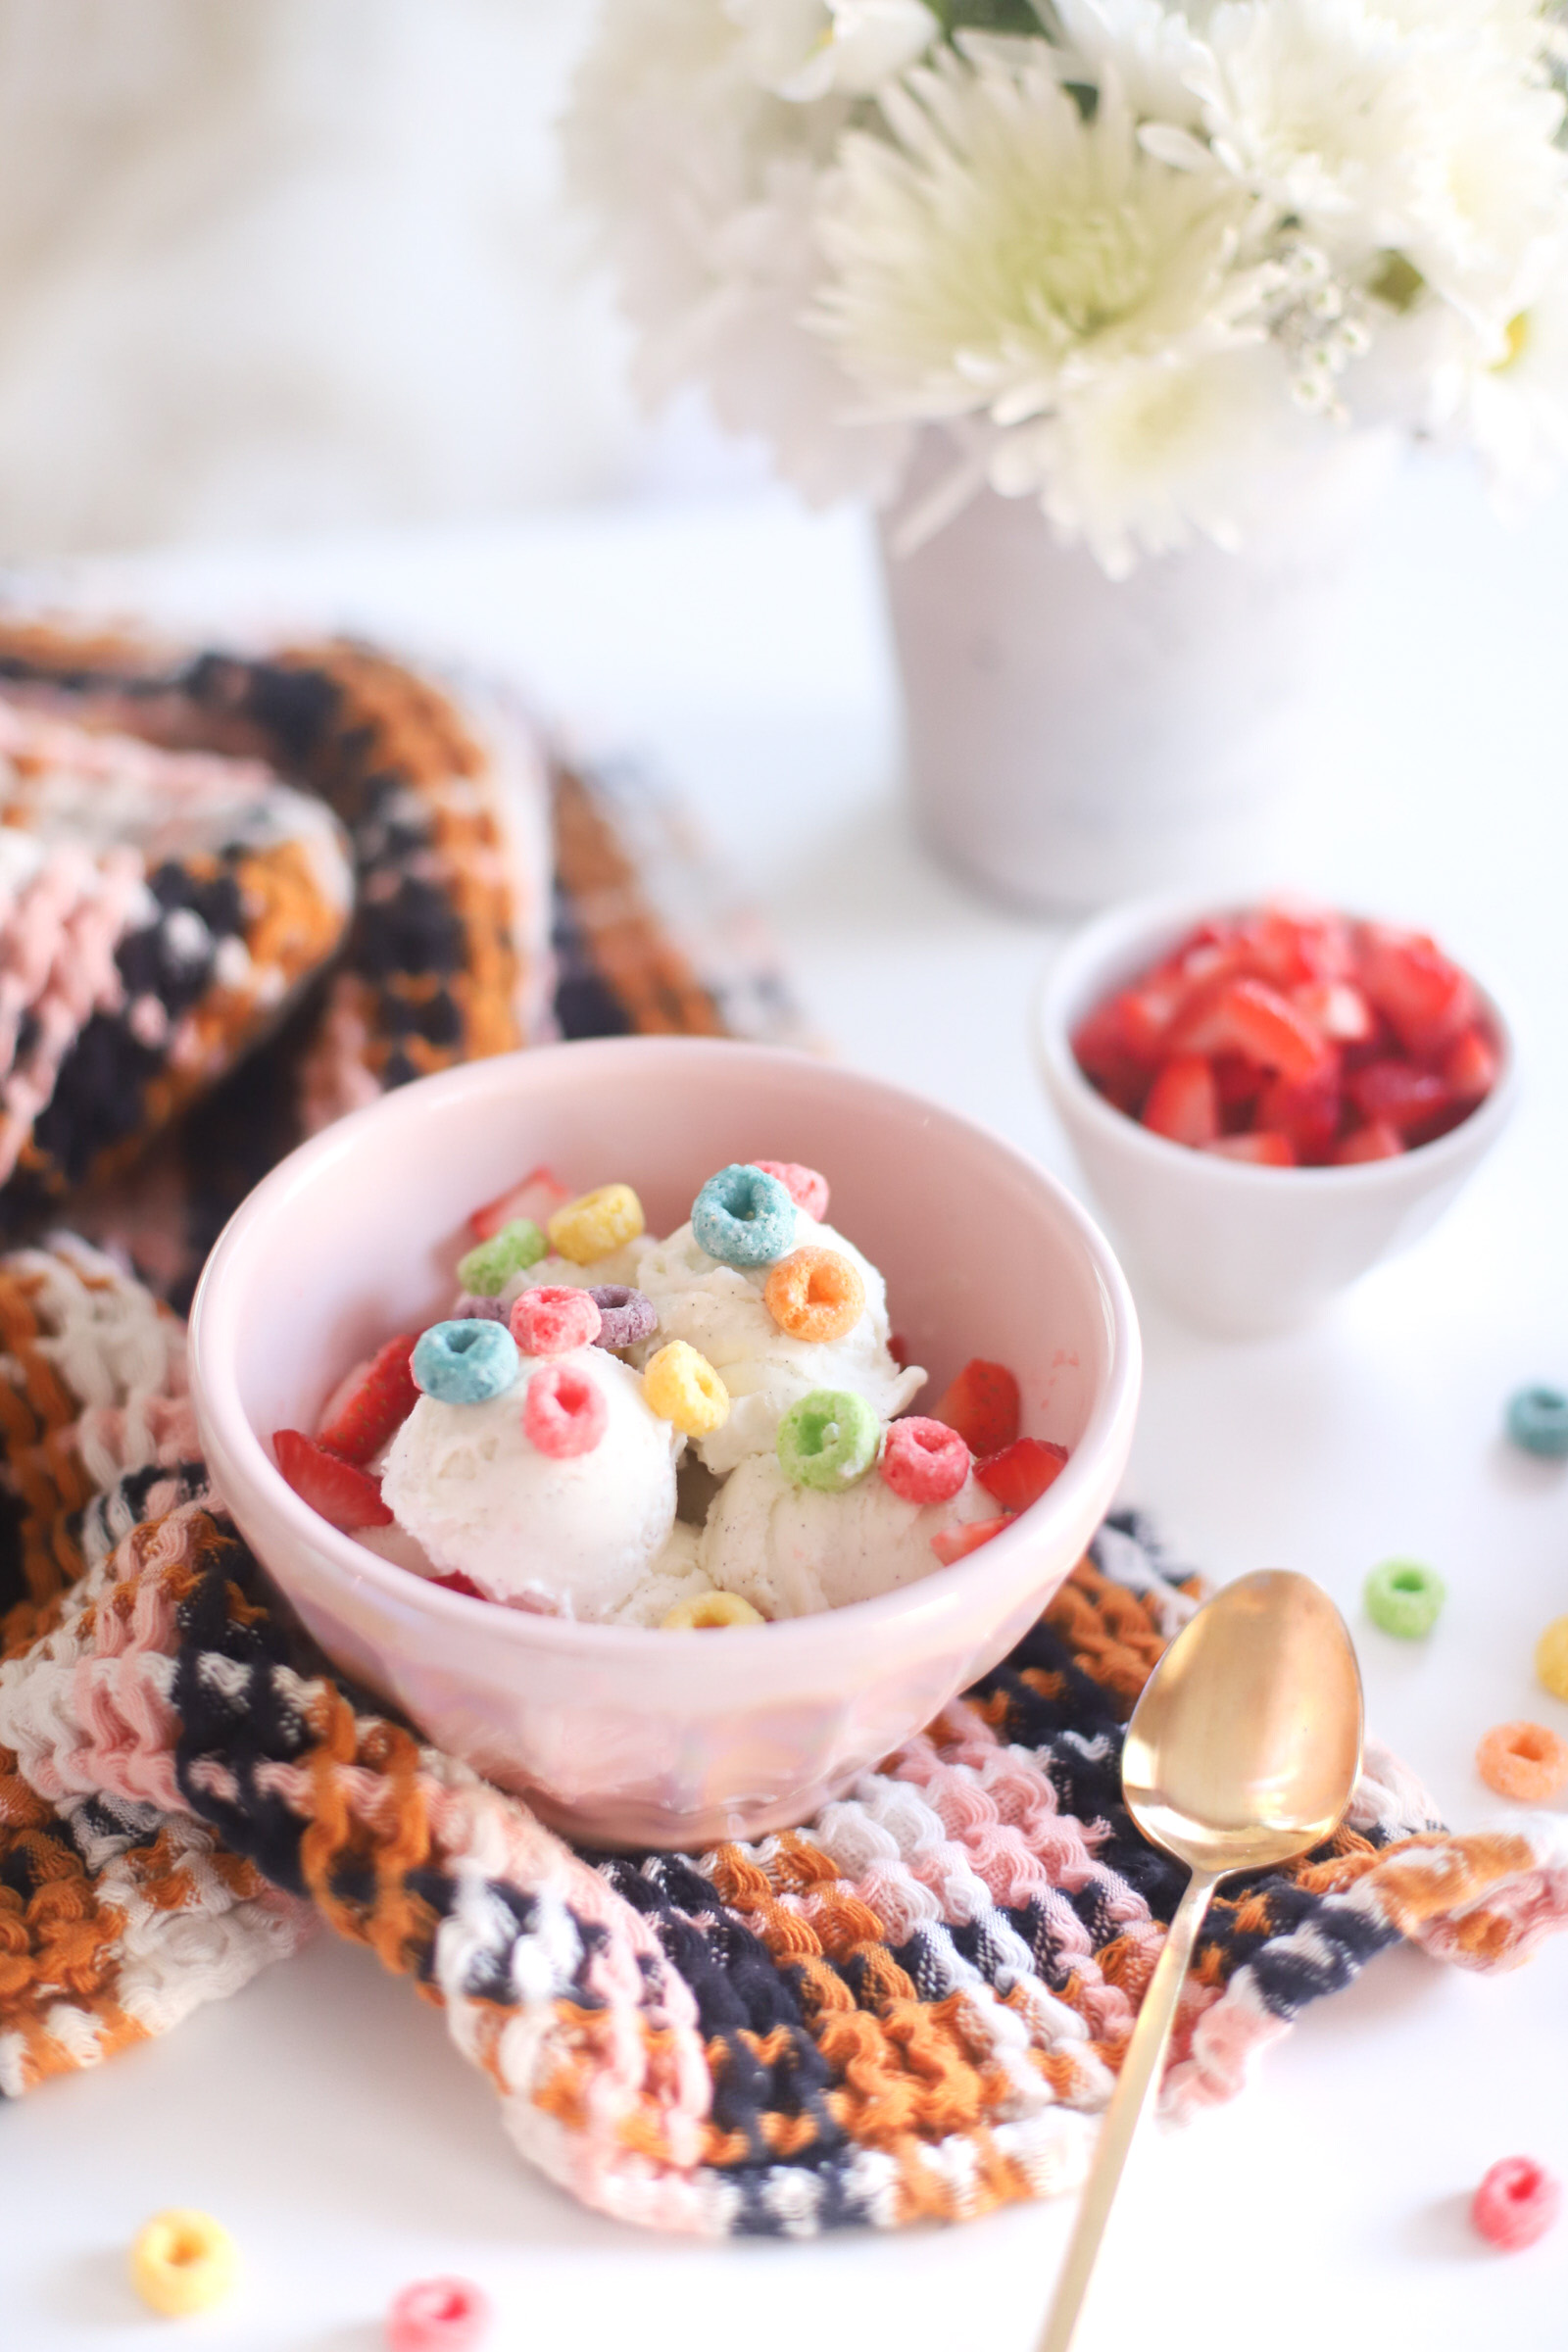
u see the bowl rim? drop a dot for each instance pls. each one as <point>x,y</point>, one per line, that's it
<point>215,1389</point>
<point>1110,937</point>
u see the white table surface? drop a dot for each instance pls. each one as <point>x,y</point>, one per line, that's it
<point>322,2115</point>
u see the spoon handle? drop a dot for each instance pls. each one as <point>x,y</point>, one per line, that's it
<point>1139,2068</point>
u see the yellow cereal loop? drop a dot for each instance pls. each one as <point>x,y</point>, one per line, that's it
<point>182,2261</point>
<point>706,1610</point>
<point>1551,1657</point>
<point>681,1385</point>
<point>597,1223</point>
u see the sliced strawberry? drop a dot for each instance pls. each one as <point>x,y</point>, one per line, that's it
<point>1397,1094</point>
<point>1020,1473</point>
<point>1264,1148</point>
<point>1339,1009</point>
<point>456,1582</point>
<point>1101,1053</point>
<point>1310,1114</point>
<point>982,1405</point>
<point>1247,1016</point>
<point>1237,1083</point>
<point>537,1196</point>
<point>340,1490</point>
<point>1376,1140</point>
<point>957,1543</point>
<point>1428,1000</point>
<point>1470,1066</point>
<point>359,1420</point>
<point>1145,1013</point>
<point>1183,1104</point>
<point>1295,947</point>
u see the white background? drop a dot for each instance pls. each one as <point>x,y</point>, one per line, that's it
<point>321,2114</point>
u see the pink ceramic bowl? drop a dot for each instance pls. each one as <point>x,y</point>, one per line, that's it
<point>621,1736</point>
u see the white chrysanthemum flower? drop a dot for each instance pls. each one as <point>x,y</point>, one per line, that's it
<point>1429,139</point>
<point>1153,51</point>
<point>1510,398</point>
<point>1005,245</point>
<point>1142,455</point>
<point>704,186</point>
<point>806,49</point>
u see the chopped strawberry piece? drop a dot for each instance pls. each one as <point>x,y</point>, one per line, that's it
<point>1428,1000</point>
<point>1470,1066</point>
<point>456,1582</point>
<point>898,1349</point>
<point>360,1419</point>
<point>1247,1016</point>
<point>1237,1083</point>
<point>1101,1054</point>
<point>982,1405</point>
<point>1398,1094</point>
<point>957,1543</point>
<point>1376,1140</point>
<point>340,1490</point>
<point>1339,1009</point>
<point>1310,1114</point>
<point>1295,947</point>
<point>1020,1473</point>
<point>1183,1104</point>
<point>1145,1014</point>
<point>1264,1148</point>
<point>537,1196</point>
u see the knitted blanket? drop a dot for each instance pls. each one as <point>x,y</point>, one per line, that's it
<point>912,2007</point>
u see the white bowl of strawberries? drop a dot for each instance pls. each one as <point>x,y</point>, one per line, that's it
<point>1268,1099</point>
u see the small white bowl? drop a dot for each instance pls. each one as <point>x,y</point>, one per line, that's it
<point>1237,1248</point>
<point>627,1737</point>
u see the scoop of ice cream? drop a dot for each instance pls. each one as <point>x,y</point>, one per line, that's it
<point>563,1273</point>
<point>577,1534</point>
<point>792,1550</point>
<point>720,1311</point>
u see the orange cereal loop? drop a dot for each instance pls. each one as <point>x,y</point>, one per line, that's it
<point>1522,1761</point>
<point>815,1294</point>
<point>706,1610</point>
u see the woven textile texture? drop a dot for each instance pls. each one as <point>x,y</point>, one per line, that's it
<point>912,2008</point>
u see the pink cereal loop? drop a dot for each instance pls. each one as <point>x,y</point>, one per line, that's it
<point>1517,2202</point>
<point>564,1413</point>
<point>804,1186</point>
<point>552,1320</point>
<point>924,1461</point>
<point>437,2315</point>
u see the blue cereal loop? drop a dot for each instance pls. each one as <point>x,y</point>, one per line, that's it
<point>464,1362</point>
<point>744,1217</point>
<point>1538,1420</point>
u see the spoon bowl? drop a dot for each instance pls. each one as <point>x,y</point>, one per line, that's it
<point>1246,1745</point>
<point>1243,1752</point>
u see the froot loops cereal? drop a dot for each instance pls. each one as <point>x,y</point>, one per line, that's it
<point>437,2315</point>
<point>1404,1599</point>
<point>744,1217</point>
<point>805,1188</point>
<point>596,1224</point>
<point>1551,1657</point>
<point>550,1321</point>
<point>829,1440</point>
<point>706,1612</point>
<point>625,1316</point>
<point>182,2261</point>
<point>1522,1761</point>
<point>1517,2202</point>
<point>815,1295</point>
<point>681,1385</point>
<point>924,1461</point>
<point>464,1364</point>
<point>564,1413</point>
<point>490,1265</point>
<point>1537,1420</point>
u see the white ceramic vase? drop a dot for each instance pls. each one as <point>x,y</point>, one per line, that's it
<point>1072,738</point>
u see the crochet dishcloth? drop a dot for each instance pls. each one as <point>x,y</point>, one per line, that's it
<point>912,2008</point>
<point>373,871</point>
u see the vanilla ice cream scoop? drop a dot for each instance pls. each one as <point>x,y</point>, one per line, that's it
<point>792,1550</point>
<point>720,1311</point>
<point>577,1534</point>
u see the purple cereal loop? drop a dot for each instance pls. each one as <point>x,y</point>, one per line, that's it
<point>474,1309</point>
<point>625,1316</point>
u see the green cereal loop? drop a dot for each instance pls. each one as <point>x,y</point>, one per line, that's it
<point>1404,1598</point>
<point>1538,1420</point>
<point>828,1440</point>
<point>513,1250</point>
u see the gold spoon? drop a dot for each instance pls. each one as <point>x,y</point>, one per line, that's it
<point>1243,1752</point>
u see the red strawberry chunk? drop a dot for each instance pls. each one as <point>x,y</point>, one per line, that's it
<point>1397,1093</point>
<point>360,1419</point>
<point>456,1582</point>
<point>1427,1000</point>
<point>1183,1104</point>
<point>1376,1140</point>
<point>1102,1057</point>
<point>536,1196</point>
<point>1470,1066</point>
<point>1266,1148</point>
<point>1020,1473</point>
<point>1339,1009</point>
<point>1310,1114</point>
<point>1247,1016</point>
<point>957,1543</point>
<point>1144,1014</point>
<point>340,1490</point>
<point>982,1405</point>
